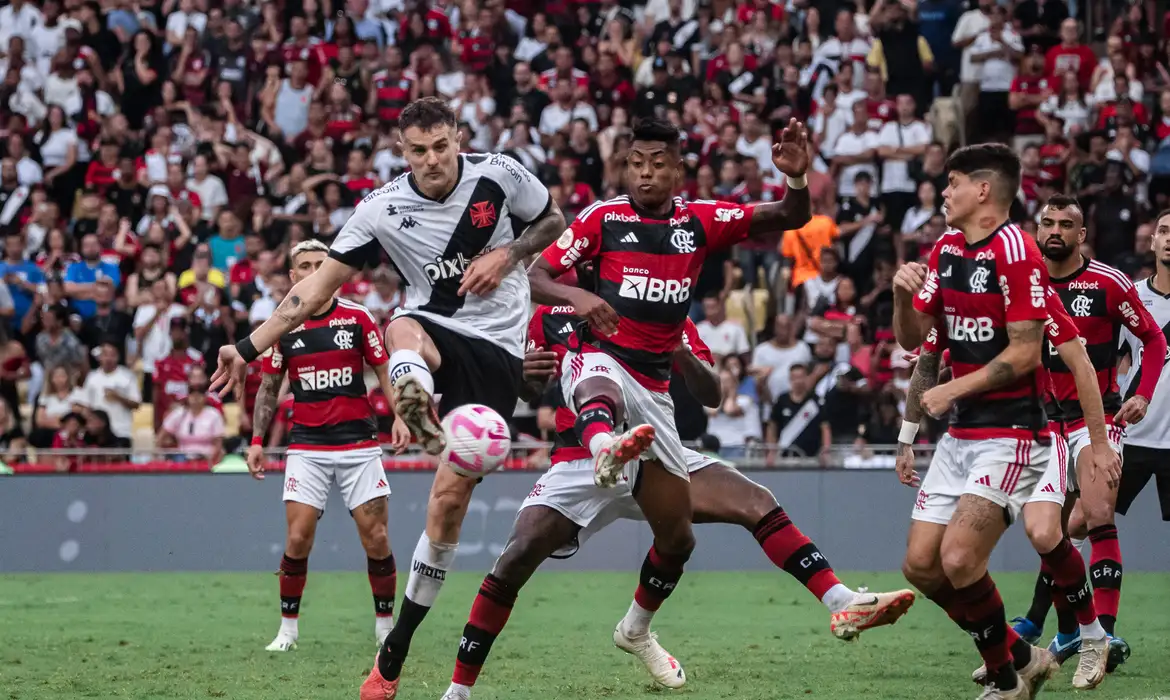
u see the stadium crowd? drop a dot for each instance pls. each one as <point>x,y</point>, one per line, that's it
<point>161,157</point>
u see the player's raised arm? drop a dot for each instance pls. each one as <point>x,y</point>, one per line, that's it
<point>790,157</point>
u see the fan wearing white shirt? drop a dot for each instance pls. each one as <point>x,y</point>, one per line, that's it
<point>114,389</point>
<point>997,51</point>
<point>854,152</point>
<point>899,143</point>
<point>831,120</point>
<point>723,336</point>
<point>971,24</point>
<point>564,109</point>
<point>772,360</point>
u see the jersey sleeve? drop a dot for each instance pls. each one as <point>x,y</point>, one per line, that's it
<point>1023,279</point>
<point>357,244</point>
<point>929,300</point>
<point>372,348</point>
<point>936,341</point>
<point>694,341</point>
<point>536,329</point>
<point>1136,319</point>
<point>1060,328</point>
<point>725,223</point>
<point>581,241</point>
<point>527,197</point>
<point>272,361</point>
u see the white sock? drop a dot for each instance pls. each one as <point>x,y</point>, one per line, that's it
<point>409,362</point>
<point>838,598</point>
<point>1093,630</point>
<point>463,692</point>
<point>382,626</point>
<point>428,570</point>
<point>288,626</point>
<point>599,442</point>
<point>1079,544</point>
<point>636,623</point>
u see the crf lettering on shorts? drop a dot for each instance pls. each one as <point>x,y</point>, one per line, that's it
<point>970,330</point>
<point>290,485</point>
<point>323,379</point>
<point>648,288</point>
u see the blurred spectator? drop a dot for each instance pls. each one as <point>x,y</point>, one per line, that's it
<point>736,422</point>
<point>195,428</point>
<point>855,151</point>
<point>1071,56</point>
<point>723,336</point>
<point>802,248</point>
<point>772,360</point>
<point>797,423</point>
<point>60,397</point>
<point>1113,219</point>
<point>57,345</point>
<point>901,145</point>
<point>13,444</point>
<point>997,51</point>
<point>108,322</point>
<point>81,277</point>
<point>70,436</point>
<point>112,390</point>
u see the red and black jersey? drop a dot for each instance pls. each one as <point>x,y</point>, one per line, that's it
<point>1026,118</point>
<point>360,186</point>
<point>551,328</point>
<point>340,123</point>
<point>476,49</point>
<point>325,358</point>
<point>976,290</point>
<point>549,78</point>
<point>392,94</point>
<point>646,267</point>
<point>170,379</point>
<point>1102,301</point>
<point>615,92</point>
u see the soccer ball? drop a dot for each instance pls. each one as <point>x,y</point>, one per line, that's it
<point>478,440</point>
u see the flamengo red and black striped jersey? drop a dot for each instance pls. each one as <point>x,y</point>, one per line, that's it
<point>550,329</point>
<point>646,267</point>
<point>325,358</point>
<point>975,290</point>
<point>1102,301</point>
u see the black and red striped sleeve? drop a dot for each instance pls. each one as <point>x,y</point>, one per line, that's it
<point>272,361</point>
<point>536,337</point>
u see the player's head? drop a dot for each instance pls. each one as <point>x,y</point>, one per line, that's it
<point>982,181</point>
<point>305,258</point>
<point>654,165</point>
<point>430,144</point>
<point>1062,227</point>
<point>1161,243</point>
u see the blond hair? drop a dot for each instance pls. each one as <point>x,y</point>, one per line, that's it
<point>308,246</point>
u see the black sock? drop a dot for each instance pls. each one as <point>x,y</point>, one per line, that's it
<point>397,644</point>
<point>1021,654</point>
<point>1041,599</point>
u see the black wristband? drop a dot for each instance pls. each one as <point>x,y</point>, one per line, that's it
<point>247,349</point>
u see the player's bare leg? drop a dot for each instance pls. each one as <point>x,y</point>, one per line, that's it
<point>974,530</point>
<point>1097,504</point>
<point>413,360</point>
<point>302,529</point>
<point>538,533</point>
<point>721,494</point>
<point>370,518</point>
<point>1046,596</point>
<point>665,500</point>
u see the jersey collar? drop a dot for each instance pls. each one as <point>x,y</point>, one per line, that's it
<point>1155,290</point>
<point>646,214</point>
<point>440,200</point>
<point>325,314</point>
<point>986,241</point>
<point>1073,275</point>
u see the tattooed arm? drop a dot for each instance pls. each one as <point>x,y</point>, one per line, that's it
<point>267,400</point>
<point>924,379</point>
<point>539,235</point>
<point>1021,356</point>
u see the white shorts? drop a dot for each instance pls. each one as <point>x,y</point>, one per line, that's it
<point>642,406</point>
<point>1079,440</point>
<point>359,474</point>
<point>1004,471</point>
<point>568,487</point>
<point>1054,483</point>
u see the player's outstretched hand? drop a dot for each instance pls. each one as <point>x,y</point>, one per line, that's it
<point>399,435</point>
<point>231,370</point>
<point>600,315</point>
<point>1132,411</point>
<point>256,462</point>
<point>790,156</point>
<point>485,273</point>
<point>905,466</point>
<point>539,364</point>
<point>910,278</point>
<point>937,401</point>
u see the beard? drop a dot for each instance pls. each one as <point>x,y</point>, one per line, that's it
<point>1058,253</point>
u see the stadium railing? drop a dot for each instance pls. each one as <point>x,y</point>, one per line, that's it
<point>526,456</point>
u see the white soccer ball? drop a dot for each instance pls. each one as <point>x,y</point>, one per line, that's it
<point>478,440</point>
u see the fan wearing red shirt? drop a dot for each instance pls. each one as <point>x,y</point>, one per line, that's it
<point>563,69</point>
<point>102,173</point>
<point>342,116</point>
<point>1070,55</point>
<point>393,90</point>
<point>1029,90</point>
<point>747,11</point>
<point>575,195</point>
<point>607,87</point>
<point>878,107</point>
<point>300,46</point>
<point>358,179</point>
<point>171,373</point>
<point>474,44</point>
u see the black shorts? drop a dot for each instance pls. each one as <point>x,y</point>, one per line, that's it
<point>1141,464</point>
<point>473,370</point>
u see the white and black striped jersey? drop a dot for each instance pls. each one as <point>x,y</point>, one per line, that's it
<point>1154,429</point>
<point>431,242</point>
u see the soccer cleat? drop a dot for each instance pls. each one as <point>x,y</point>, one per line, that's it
<point>1020,692</point>
<point>1118,652</point>
<point>1027,630</point>
<point>376,687</point>
<point>625,448</point>
<point>1091,667</point>
<point>417,408</point>
<point>456,693</point>
<point>283,642</point>
<point>664,668</point>
<point>869,610</point>
<point>1042,666</point>
<point>1064,648</point>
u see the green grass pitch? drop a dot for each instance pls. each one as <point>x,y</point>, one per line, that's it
<point>755,636</point>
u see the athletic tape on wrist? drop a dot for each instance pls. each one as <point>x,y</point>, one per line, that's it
<point>908,432</point>
<point>797,183</point>
<point>247,349</point>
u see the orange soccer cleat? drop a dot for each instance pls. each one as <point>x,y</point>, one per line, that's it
<point>869,610</point>
<point>376,687</point>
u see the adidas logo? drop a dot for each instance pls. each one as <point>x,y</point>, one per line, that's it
<point>381,484</point>
<point>567,329</point>
<point>947,272</point>
<point>1048,489</point>
<point>984,480</point>
<point>299,344</point>
<point>630,238</point>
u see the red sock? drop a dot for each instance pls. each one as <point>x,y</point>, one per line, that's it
<point>988,626</point>
<point>788,548</point>
<point>292,585</point>
<point>489,614</point>
<point>1068,574</point>
<point>946,599</point>
<point>384,584</point>
<point>1105,566</point>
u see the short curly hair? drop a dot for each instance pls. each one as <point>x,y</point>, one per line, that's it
<point>426,114</point>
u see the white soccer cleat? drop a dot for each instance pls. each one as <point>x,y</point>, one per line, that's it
<point>456,693</point>
<point>627,447</point>
<point>664,668</point>
<point>1091,666</point>
<point>283,642</point>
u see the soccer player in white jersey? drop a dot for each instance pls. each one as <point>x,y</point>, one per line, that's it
<point>1147,444</point>
<point>458,228</point>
